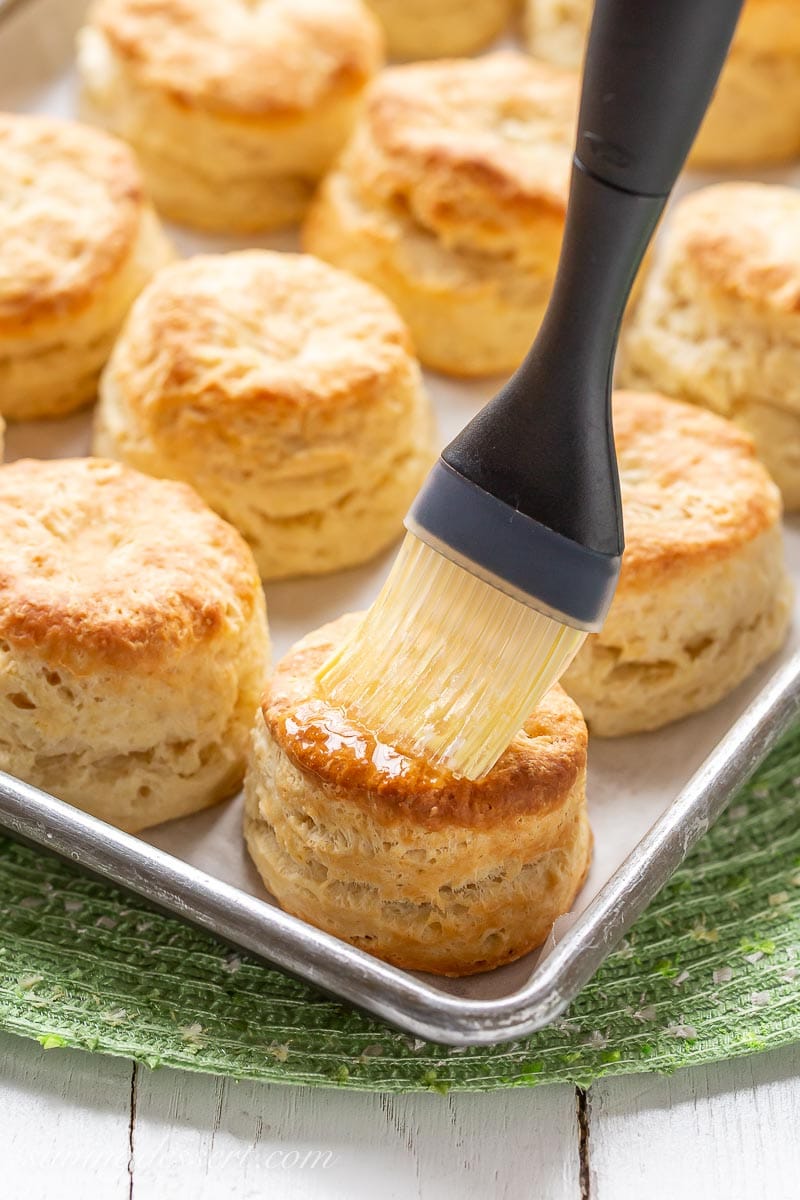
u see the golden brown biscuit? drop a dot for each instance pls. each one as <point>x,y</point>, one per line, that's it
<point>236,110</point>
<point>754,116</point>
<point>428,871</point>
<point>451,198</point>
<point>719,318</point>
<point>704,595</point>
<point>286,392</point>
<point>440,28</point>
<point>133,641</point>
<point>78,242</point>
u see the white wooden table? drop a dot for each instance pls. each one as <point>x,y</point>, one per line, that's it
<point>75,1126</point>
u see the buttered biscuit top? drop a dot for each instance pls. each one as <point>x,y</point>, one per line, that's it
<point>78,240</point>
<point>544,759</point>
<point>427,870</point>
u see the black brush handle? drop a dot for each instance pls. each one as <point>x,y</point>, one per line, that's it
<point>544,445</point>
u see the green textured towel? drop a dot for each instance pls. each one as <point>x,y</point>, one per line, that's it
<point>712,970</point>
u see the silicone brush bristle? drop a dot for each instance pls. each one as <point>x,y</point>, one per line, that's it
<point>446,666</point>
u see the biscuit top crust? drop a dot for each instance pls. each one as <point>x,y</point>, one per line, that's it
<point>743,241</point>
<point>70,208</point>
<point>104,568</point>
<point>535,774</point>
<point>243,58</point>
<point>257,330</point>
<point>470,147</point>
<point>693,491</point>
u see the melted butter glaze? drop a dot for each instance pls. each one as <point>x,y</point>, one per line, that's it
<point>535,774</point>
<point>317,727</point>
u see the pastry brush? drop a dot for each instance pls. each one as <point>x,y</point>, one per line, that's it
<point>514,543</point>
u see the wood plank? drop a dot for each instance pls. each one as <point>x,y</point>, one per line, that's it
<point>730,1129</point>
<point>206,1137</point>
<point>64,1123</point>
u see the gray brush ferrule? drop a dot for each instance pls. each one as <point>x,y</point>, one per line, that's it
<point>512,552</point>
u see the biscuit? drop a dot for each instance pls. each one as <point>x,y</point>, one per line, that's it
<point>440,28</point>
<point>286,392</point>
<point>451,198</point>
<point>236,110</point>
<point>133,641</point>
<point>78,242</point>
<point>718,322</point>
<point>428,871</point>
<point>754,116</point>
<point>704,595</point>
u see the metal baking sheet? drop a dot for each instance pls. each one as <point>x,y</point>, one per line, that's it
<point>650,796</point>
